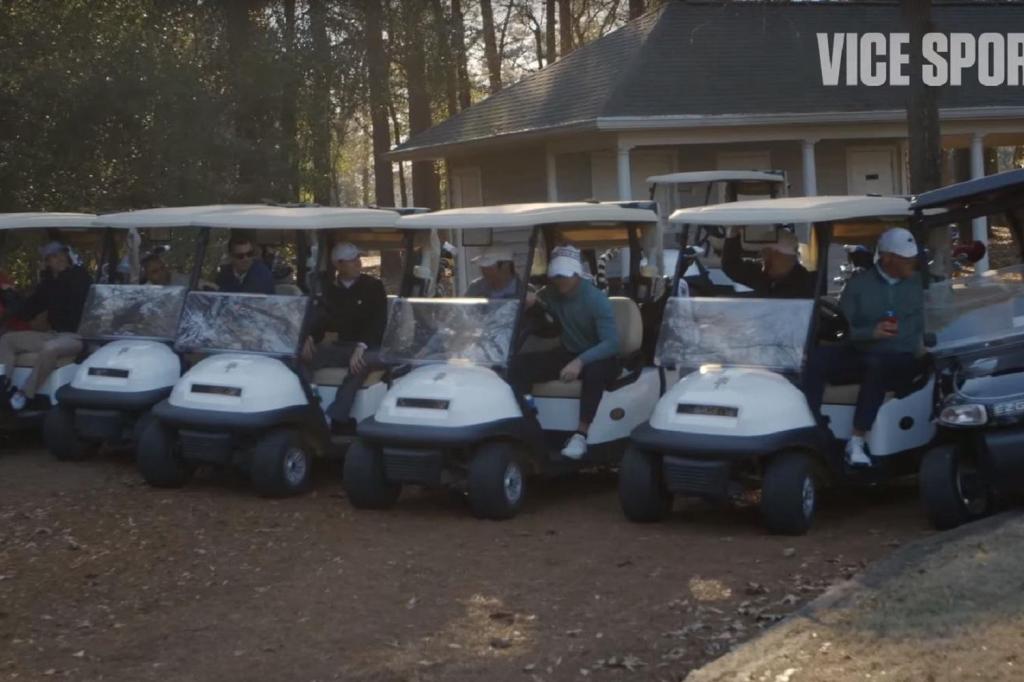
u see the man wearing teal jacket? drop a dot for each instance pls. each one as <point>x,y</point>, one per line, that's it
<point>589,342</point>
<point>885,308</point>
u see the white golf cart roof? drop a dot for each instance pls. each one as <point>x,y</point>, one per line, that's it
<point>795,210</point>
<point>518,216</point>
<point>255,217</point>
<point>693,177</point>
<point>42,221</point>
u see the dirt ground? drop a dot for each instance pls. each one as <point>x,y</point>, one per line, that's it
<point>948,608</point>
<point>103,578</point>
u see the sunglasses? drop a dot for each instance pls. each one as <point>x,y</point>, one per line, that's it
<point>243,255</point>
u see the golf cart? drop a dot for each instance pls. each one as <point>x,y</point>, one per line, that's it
<point>452,420</point>
<point>977,325</point>
<point>738,419</point>
<point>248,403</point>
<point>135,326</point>
<point>21,234</point>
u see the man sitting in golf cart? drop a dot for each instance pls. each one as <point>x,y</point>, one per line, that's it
<point>156,271</point>
<point>779,275</point>
<point>498,279</point>
<point>589,342</point>
<point>61,295</point>
<point>355,307</point>
<point>245,274</point>
<point>885,309</point>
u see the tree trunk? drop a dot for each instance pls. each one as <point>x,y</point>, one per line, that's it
<point>289,103</point>
<point>426,187</point>
<point>444,42</point>
<point>923,126</point>
<point>459,49</point>
<point>636,8</point>
<point>564,27</point>
<point>403,192</point>
<point>550,28</point>
<point>320,120</point>
<point>238,31</point>
<point>377,67</point>
<point>491,46</point>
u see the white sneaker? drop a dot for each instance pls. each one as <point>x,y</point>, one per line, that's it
<point>575,447</point>
<point>18,401</point>
<point>855,455</point>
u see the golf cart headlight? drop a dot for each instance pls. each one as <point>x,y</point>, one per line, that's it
<point>964,415</point>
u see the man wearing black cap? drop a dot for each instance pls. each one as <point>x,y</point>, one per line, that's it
<point>61,295</point>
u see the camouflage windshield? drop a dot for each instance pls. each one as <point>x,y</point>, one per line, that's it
<point>114,311</point>
<point>242,322</point>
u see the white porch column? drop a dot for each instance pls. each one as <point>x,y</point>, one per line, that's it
<point>810,169</point>
<point>624,173</point>
<point>552,175</point>
<point>980,225</point>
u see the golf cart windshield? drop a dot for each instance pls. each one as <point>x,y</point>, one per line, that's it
<point>765,333</point>
<point>250,323</point>
<point>430,330</point>
<point>116,311</point>
<point>975,312</point>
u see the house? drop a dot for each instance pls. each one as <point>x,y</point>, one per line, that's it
<point>698,85</point>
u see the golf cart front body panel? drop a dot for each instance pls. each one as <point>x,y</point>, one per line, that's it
<point>220,421</point>
<point>129,366</point>
<point>117,401</point>
<point>239,383</point>
<point>730,449</point>
<point>439,436</point>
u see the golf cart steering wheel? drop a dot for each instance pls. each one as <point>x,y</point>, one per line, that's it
<point>832,322</point>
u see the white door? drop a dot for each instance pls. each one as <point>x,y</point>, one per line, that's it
<point>871,170</point>
<point>466,188</point>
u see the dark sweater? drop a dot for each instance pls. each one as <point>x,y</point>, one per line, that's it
<point>61,297</point>
<point>798,282</point>
<point>868,297</point>
<point>258,280</point>
<point>357,314</point>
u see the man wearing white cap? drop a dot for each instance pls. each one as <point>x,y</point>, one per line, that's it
<point>61,295</point>
<point>779,275</point>
<point>497,275</point>
<point>885,308</point>
<point>355,307</point>
<point>589,342</point>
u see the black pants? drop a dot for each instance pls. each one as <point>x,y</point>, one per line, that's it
<point>528,369</point>
<point>877,374</point>
<point>339,355</point>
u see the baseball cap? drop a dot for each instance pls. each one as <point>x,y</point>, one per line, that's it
<point>787,243</point>
<point>345,251</point>
<point>52,249</point>
<point>898,241</point>
<point>565,262</point>
<point>492,255</point>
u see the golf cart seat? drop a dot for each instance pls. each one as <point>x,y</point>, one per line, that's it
<point>630,327</point>
<point>29,360</point>
<point>335,376</point>
<point>287,290</point>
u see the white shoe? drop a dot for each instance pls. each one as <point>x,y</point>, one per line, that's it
<point>575,447</point>
<point>18,401</point>
<point>855,455</point>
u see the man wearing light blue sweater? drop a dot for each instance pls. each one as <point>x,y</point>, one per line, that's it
<point>589,342</point>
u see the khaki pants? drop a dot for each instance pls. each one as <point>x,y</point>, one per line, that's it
<point>49,346</point>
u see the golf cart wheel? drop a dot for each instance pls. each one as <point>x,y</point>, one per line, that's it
<point>789,494</point>
<point>158,458</point>
<point>61,438</point>
<point>365,483</point>
<point>952,490</point>
<point>282,464</point>
<point>642,492</point>
<point>497,482</point>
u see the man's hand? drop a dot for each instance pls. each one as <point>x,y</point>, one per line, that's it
<point>571,372</point>
<point>355,363</point>
<point>307,350</point>
<point>885,329</point>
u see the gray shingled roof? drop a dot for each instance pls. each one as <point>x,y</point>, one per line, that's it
<point>705,58</point>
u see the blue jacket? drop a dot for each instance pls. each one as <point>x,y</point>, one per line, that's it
<point>588,323</point>
<point>258,280</point>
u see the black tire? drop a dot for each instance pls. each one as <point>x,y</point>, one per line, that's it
<point>282,464</point>
<point>949,497</point>
<point>61,438</point>
<point>642,492</point>
<point>789,494</point>
<point>365,483</point>
<point>157,456</point>
<point>496,481</point>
